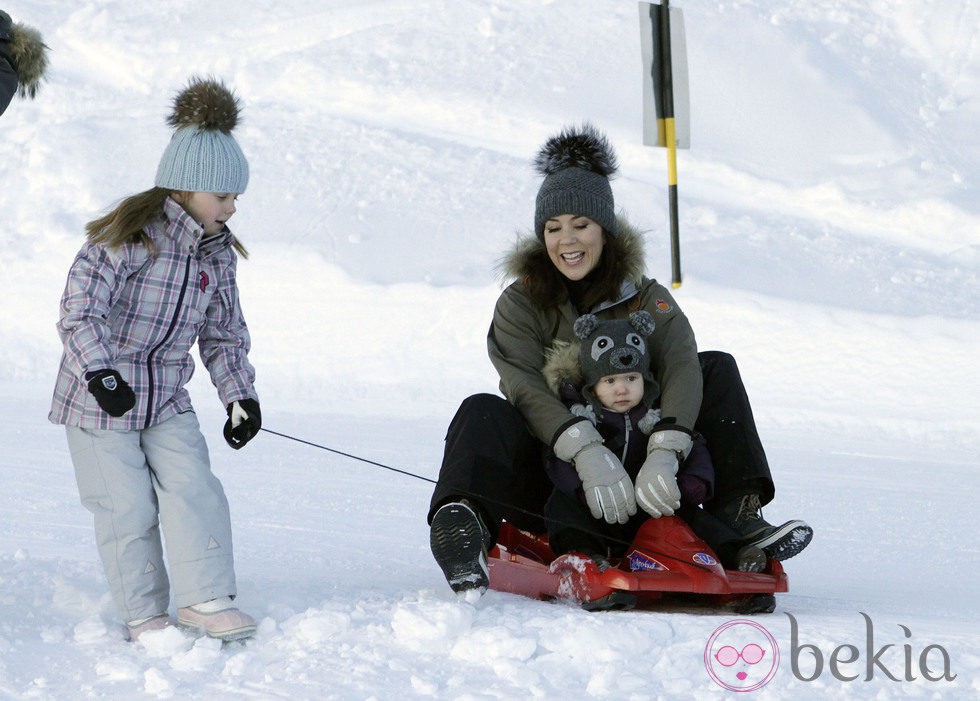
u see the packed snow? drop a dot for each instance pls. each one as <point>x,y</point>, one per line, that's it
<point>830,229</point>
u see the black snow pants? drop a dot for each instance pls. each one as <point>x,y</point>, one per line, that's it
<point>492,459</point>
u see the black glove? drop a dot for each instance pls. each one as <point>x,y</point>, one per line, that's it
<point>111,391</point>
<point>244,422</point>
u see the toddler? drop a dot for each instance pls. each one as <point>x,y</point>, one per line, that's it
<point>608,380</point>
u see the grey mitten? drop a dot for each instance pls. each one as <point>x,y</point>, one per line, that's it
<point>657,492</point>
<point>607,487</point>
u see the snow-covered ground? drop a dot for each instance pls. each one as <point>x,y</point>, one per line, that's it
<point>830,225</point>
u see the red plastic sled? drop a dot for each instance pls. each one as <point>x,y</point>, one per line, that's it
<point>665,558</point>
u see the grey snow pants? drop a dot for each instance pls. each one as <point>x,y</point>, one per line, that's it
<point>138,482</point>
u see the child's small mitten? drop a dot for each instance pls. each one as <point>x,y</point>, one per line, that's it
<point>111,391</point>
<point>244,422</point>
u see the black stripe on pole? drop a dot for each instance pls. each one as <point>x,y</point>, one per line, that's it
<point>667,111</point>
<point>666,82</point>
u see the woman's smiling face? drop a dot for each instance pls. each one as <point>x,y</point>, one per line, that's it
<point>574,244</point>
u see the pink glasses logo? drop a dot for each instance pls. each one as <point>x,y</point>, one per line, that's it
<point>741,656</point>
<point>750,654</point>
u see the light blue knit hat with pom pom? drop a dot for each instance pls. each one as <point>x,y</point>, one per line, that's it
<point>202,155</point>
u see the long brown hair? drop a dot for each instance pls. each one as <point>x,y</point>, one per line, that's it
<point>126,222</point>
<point>547,286</point>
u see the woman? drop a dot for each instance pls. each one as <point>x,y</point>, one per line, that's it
<point>583,259</point>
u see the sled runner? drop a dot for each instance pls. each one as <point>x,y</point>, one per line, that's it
<point>665,558</point>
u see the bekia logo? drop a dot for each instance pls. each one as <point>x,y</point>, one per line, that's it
<point>846,663</point>
<point>741,655</point>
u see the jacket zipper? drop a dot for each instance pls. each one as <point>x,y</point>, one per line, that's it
<point>166,336</point>
<point>626,443</point>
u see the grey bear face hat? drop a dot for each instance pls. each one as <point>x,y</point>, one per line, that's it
<point>614,347</point>
<point>202,155</point>
<point>576,164</point>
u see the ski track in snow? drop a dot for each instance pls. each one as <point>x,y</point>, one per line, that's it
<point>830,233</point>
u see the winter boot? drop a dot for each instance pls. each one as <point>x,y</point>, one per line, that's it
<point>217,618</point>
<point>136,628</point>
<point>459,543</point>
<point>741,557</point>
<point>750,558</point>
<point>744,515</point>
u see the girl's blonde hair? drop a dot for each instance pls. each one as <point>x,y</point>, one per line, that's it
<point>127,221</point>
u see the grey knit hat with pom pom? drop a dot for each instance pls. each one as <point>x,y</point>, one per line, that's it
<point>613,347</point>
<point>203,156</point>
<point>577,164</point>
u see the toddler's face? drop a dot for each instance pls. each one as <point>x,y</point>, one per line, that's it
<point>620,392</point>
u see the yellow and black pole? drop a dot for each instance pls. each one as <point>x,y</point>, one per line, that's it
<point>670,140</point>
<point>666,119</point>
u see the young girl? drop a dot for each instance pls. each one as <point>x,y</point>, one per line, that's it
<point>607,379</point>
<point>156,275</point>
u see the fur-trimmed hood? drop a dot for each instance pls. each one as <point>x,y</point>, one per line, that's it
<point>528,253</point>
<point>561,365</point>
<point>29,53</point>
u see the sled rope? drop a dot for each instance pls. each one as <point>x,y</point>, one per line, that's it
<point>504,504</point>
<point>348,455</point>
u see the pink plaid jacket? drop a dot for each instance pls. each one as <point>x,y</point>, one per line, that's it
<point>140,315</point>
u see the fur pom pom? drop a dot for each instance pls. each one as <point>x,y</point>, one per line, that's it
<point>207,103</point>
<point>586,148</point>
<point>30,55</point>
